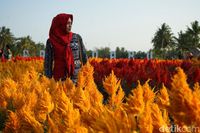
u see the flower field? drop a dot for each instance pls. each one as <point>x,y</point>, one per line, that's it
<point>142,96</point>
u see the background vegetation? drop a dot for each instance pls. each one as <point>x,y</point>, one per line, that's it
<point>165,44</point>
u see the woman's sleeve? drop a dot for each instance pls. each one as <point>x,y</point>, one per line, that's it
<point>48,60</point>
<point>83,50</point>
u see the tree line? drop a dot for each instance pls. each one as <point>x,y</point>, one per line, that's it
<point>17,45</point>
<point>165,44</point>
<point>168,46</point>
<point>104,52</point>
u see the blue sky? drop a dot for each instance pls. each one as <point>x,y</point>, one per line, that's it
<point>101,23</point>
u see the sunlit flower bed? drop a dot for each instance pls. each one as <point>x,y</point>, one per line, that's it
<point>29,102</point>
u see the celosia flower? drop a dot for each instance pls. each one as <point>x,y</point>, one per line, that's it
<point>12,124</point>
<point>44,106</point>
<point>145,120</point>
<point>162,98</point>
<point>157,119</point>
<point>135,103</point>
<point>148,93</point>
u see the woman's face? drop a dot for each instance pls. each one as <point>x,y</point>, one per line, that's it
<point>69,25</point>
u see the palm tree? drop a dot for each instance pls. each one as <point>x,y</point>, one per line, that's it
<point>6,37</point>
<point>194,33</point>
<point>163,39</point>
<point>183,43</point>
<point>25,43</point>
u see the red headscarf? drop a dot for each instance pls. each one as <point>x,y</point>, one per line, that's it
<point>60,39</point>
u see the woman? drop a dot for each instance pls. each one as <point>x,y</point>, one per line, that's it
<point>7,53</point>
<point>65,52</point>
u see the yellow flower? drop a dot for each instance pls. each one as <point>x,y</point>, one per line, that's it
<point>44,106</point>
<point>145,120</point>
<point>162,98</point>
<point>158,120</point>
<point>183,101</point>
<point>12,124</point>
<point>112,86</point>
<point>135,103</point>
<point>148,93</point>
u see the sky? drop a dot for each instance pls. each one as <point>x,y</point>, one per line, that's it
<point>101,23</point>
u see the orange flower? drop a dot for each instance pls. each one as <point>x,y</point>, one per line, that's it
<point>162,98</point>
<point>12,123</point>
<point>135,103</point>
<point>113,88</point>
